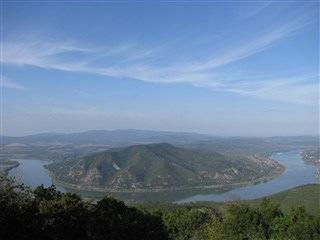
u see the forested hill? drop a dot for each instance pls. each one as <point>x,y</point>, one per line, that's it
<point>47,214</point>
<point>160,166</point>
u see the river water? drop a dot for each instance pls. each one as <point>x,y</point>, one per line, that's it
<point>297,173</point>
<point>32,173</point>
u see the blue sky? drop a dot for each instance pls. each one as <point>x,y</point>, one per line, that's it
<point>224,68</point>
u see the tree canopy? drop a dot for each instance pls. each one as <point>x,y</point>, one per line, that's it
<point>45,213</point>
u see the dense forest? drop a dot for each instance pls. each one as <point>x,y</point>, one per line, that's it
<point>45,213</point>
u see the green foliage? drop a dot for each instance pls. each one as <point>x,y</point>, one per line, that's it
<point>115,220</point>
<point>185,223</point>
<point>48,214</point>
<point>296,225</point>
<point>240,222</point>
<point>17,212</point>
<point>307,196</point>
<point>62,213</point>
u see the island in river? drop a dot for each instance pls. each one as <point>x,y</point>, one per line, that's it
<point>161,167</point>
<point>297,172</point>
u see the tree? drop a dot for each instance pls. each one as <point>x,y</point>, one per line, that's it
<point>17,212</point>
<point>297,225</point>
<point>184,223</point>
<point>238,222</point>
<point>46,213</point>
<point>113,220</point>
<point>63,216</point>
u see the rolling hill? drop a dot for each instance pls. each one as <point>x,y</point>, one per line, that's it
<point>306,195</point>
<point>153,167</point>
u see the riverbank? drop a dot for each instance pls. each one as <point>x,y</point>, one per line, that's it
<point>287,199</point>
<point>7,165</point>
<point>217,187</point>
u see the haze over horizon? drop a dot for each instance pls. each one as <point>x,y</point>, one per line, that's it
<point>214,68</point>
<point>160,131</point>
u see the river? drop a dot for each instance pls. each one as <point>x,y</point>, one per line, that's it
<point>297,173</point>
<point>32,173</point>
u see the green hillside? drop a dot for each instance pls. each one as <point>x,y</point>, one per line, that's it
<point>160,166</point>
<point>307,196</point>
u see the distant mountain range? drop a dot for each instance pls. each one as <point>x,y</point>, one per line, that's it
<point>67,146</point>
<point>125,137</point>
<point>159,166</point>
<point>113,137</point>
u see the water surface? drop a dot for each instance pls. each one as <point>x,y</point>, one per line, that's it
<point>32,173</point>
<point>296,173</point>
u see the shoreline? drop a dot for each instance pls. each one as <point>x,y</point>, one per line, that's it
<point>7,166</point>
<point>223,187</point>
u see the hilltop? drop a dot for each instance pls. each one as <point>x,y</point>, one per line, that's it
<point>153,167</point>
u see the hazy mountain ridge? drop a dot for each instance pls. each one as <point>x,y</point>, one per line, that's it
<point>112,137</point>
<point>62,146</point>
<point>158,166</point>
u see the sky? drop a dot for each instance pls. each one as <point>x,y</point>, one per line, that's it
<point>231,68</point>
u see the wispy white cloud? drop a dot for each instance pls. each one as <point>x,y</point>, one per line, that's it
<point>299,90</point>
<point>9,84</point>
<point>251,47</point>
<point>129,61</point>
